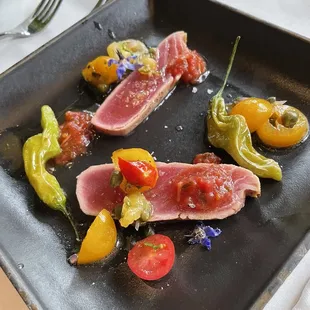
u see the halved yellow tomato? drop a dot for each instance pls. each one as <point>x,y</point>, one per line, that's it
<point>256,111</point>
<point>100,239</point>
<point>277,135</point>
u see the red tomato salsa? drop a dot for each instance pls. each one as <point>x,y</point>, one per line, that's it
<point>190,67</point>
<point>152,258</point>
<point>75,135</point>
<point>204,189</point>
<point>206,158</point>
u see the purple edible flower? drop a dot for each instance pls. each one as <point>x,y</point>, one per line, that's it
<point>124,64</point>
<point>202,234</point>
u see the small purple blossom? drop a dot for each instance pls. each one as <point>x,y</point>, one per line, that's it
<point>124,64</point>
<point>202,234</point>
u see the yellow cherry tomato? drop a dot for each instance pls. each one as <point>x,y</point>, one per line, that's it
<point>133,155</point>
<point>256,111</point>
<point>276,134</point>
<point>98,72</point>
<point>100,239</point>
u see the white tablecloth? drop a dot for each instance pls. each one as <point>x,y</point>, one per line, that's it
<point>13,12</point>
<point>293,15</point>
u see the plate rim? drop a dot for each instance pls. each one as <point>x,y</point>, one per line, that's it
<point>24,289</point>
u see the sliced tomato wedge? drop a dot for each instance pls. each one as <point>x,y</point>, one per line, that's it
<point>152,258</point>
<point>138,173</point>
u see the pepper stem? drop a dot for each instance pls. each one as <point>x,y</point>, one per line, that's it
<point>231,61</point>
<point>69,217</point>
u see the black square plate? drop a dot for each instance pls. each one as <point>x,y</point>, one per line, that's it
<point>35,241</point>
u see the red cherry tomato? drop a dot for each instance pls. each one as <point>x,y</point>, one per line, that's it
<point>152,258</point>
<point>138,173</point>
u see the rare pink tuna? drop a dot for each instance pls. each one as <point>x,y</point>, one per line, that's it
<point>183,191</point>
<point>139,94</point>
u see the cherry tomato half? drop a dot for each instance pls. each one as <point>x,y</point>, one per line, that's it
<point>256,111</point>
<point>134,155</point>
<point>100,239</point>
<point>138,173</point>
<point>152,258</point>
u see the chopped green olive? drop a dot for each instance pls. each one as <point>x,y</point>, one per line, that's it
<point>135,207</point>
<point>289,118</point>
<point>116,178</point>
<point>272,99</point>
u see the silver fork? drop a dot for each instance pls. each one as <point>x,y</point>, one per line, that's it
<point>38,20</point>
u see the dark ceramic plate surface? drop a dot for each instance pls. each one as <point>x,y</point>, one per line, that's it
<point>36,241</point>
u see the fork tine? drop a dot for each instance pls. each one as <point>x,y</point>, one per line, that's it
<point>39,8</point>
<point>45,10</point>
<point>50,12</point>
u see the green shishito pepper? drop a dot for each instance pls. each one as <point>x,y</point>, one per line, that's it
<point>37,151</point>
<point>231,133</point>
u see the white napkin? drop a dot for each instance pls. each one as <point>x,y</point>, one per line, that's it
<point>304,301</point>
<point>292,15</point>
<point>13,12</point>
<point>295,291</point>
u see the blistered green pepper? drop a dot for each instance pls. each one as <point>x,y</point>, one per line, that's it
<point>37,151</point>
<point>231,133</point>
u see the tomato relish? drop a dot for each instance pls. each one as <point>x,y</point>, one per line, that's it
<point>190,67</point>
<point>204,189</point>
<point>75,135</point>
<point>207,158</point>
